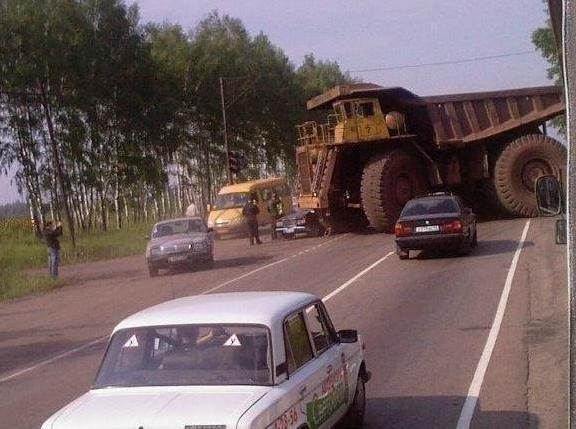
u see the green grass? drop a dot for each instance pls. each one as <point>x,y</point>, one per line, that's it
<point>20,251</point>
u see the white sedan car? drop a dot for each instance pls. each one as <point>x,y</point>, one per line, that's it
<point>223,361</point>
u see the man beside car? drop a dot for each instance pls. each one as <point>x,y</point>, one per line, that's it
<point>251,212</point>
<point>276,210</point>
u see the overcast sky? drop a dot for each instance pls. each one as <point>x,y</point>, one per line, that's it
<point>372,34</point>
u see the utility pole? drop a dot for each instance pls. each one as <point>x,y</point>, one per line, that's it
<point>225,131</point>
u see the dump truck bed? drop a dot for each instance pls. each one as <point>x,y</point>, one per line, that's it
<point>464,118</point>
<point>454,120</point>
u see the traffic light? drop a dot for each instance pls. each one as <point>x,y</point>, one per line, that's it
<point>233,161</point>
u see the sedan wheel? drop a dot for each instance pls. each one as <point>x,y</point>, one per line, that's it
<point>153,271</point>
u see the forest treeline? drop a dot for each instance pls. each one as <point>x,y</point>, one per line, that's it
<point>109,120</point>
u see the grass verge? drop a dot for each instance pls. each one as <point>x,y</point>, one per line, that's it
<point>20,251</point>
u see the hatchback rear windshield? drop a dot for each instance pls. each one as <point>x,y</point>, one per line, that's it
<point>187,355</point>
<point>430,206</point>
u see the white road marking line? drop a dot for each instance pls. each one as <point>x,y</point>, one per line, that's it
<point>249,273</point>
<point>356,277</point>
<point>474,391</point>
<point>99,340</point>
<point>52,359</point>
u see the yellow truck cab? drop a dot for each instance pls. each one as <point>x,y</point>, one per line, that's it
<point>226,213</point>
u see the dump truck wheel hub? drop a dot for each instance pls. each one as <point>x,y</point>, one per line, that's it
<point>532,170</point>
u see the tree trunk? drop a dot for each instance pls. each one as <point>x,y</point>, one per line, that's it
<point>57,164</point>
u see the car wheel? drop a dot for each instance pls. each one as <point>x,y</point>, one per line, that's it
<point>210,261</point>
<point>355,416</point>
<point>402,254</point>
<point>316,230</point>
<point>153,271</point>
<point>466,249</point>
<point>475,239</point>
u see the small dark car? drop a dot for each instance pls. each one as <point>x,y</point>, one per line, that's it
<point>301,221</point>
<point>435,222</point>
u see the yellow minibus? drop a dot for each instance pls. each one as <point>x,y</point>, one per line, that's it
<point>226,213</point>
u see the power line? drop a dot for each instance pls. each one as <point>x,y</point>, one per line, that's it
<point>442,63</point>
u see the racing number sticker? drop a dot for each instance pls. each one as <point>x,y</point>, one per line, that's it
<point>286,420</point>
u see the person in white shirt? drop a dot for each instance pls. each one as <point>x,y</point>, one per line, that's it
<point>192,210</point>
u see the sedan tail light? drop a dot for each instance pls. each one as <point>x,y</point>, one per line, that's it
<point>451,226</point>
<point>402,230</point>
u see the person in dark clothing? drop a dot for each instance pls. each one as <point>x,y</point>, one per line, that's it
<point>51,233</point>
<point>276,210</point>
<point>251,212</point>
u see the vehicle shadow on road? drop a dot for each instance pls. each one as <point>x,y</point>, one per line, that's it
<point>438,412</point>
<point>241,261</point>
<point>485,248</point>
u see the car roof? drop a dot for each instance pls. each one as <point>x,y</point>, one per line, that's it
<point>252,185</point>
<point>179,219</point>
<point>434,197</point>
<point>262,308</point>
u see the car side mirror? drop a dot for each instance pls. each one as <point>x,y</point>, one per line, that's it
<point>146,237</point>
<point>548,196</point>
<point>210,229</point>
<point>348,336</point>
<point>467,211</point>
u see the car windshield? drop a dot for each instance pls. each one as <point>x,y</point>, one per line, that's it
<point>185,226</point>
<point>187,355</point>
<point>429,206</point>
<point>230,201</point>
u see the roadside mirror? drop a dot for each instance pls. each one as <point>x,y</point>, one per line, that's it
<point>561,232</point>
<point>348,336</point>
<point>548,196</point>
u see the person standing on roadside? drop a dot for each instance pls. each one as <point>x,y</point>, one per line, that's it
<point>276,210</point>
<point>192,210</point>
<point>51,233</point>
<point>251,212</point>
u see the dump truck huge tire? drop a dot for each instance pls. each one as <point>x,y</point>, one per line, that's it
<point>518,166</point>
<point>389,180</point>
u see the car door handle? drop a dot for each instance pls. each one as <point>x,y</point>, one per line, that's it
<point>302,390</point>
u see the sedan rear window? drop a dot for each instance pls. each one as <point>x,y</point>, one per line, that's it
<point>185,355</point>
<point>430,206</point>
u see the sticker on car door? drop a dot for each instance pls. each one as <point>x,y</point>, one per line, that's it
<point>333,394</point>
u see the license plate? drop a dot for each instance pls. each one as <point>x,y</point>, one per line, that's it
<point>178,258</point>
<point>290,230</point>
<point>429,228</point>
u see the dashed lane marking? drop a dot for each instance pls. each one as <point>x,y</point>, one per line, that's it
<point>356,277</point>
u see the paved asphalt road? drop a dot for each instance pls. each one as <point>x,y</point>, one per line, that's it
<point>426,322</point>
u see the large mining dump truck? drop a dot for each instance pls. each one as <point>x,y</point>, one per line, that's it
<point>381,147</point>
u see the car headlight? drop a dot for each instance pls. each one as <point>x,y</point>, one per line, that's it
<point>301,222</point>
<point>155,251</point>
<point>279,224</point>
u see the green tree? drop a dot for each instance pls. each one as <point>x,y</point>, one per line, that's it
<point>543,39</point>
